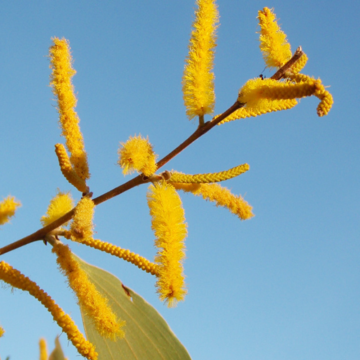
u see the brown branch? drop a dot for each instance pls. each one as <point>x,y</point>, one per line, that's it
<point>141,179</point>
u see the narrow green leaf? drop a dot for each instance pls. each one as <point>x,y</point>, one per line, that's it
<point>57,353</point>
<point>147,335</point>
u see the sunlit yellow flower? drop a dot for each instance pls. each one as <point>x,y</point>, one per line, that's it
<point>2,331</point>
<point>7,209</point>
<point>59,206</point>
<point>82,224</point>
<point>198,78</point>
<point>67,169</point>
<point>273,44</point>
<point>16,279</point>
<point>62,72</point>
<point>221,196</point>
<point>168,223</point>
<point>43,349</point>
<point>90,300</point>
<point>137,155</point>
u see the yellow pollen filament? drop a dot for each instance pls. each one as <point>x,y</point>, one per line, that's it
<point>59,206</point>
<point>168,224</point>
<point>82,224</point>
<point>62,72</point>
<point>43,350</point>
<point>127,255</point>
<point>209,178</point>
<point>7,209</point>
<point>16,279</point>
<point>90,300</point>
<point>137,154</point>
<point>299,64</point>
<point>221,196</point>
<point>67,169</point>
<point>198,78</point>
<point>273,44</point>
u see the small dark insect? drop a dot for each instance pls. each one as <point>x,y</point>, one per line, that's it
<point>262,77</point>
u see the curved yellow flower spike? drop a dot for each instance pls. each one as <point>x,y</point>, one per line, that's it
<point>62,72</point>
<point>67,169</point>
<point>59,206</point>
<point>7,209</point>
<point>2,331</point>
<point>209,178</point>
<point>221,196</point>
<point>256,90</point>
<point>82,224</point>
<point>273,44</point>
<point>137,154</point>
<point>16,279</point>
<point>198,78</point>
<point>119,252</point>
<point>168,224</point>
<point>43,349</point>
<point>90,300</point>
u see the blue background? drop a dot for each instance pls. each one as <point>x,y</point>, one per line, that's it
<point>283,285</point>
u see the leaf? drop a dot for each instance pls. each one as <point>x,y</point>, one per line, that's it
<point>57,353</point>
<point>147,335</point>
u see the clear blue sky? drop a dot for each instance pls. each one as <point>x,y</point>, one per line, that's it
<point>283,285</point>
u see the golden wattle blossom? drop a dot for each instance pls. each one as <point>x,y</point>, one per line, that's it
<point>168,224</point>
<point>59,206</point>
<point>198,78</point>
<point>62,72</point>
<point>7,209</point>
<point>273,43</point>
<point>43,349</point>
<point>137,154</point>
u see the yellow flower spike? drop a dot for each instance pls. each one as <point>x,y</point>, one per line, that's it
<point>43,349</point>
<point>2,331</point>
<point>82,224</point>
<point>273,44</point>
<point>16,279</point>
<point>67,170</point>
<point>168,224</point>
<point>141,262</point>
<point>7,209</point>
<point>209,178</point>
<point>299,64</point>
<point>62,72</point>
<point>59,206</point>
<point>137,154</point>
<point>90,300</point>
<point>221,196</point>
<point>256,90</point>
<point>265,106</point>
<point>198,78</point>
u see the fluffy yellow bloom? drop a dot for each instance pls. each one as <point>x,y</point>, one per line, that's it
<point>2,331</point>
<point>119,252</point>
<point>59,206</point>
<point>273,44</point>
<point>168,224</point>
<point>43,350</point>
<point>198,78</point>
<point>90,300</point>
<point>62,72</point>
<point>299,64</point>
<point>221,196</point>
<point>67,169</point>
<point>7,209</point>
<point>137,155</point>
<point>265,106</point>
<point>82,224</point>
<point>209,178</point>
<point>16,279</point>
<point>256,91</point>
